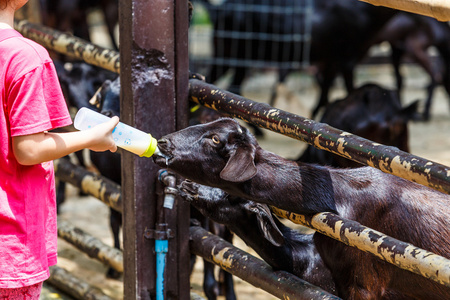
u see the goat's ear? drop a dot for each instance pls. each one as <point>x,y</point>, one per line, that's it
<point>240,166</point>
<point>266,223</point>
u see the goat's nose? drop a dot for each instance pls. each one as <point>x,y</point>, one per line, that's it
<point>163,144</point>
<point>162,141</point>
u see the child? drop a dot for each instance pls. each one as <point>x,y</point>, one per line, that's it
<point>32,104</point>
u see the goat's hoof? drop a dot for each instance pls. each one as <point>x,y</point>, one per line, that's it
<point>188,190</point>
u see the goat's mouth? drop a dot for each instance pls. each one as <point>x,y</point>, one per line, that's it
<point>161,159</point>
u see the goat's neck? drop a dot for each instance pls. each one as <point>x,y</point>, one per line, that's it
<point>279,181</point>
<point>279,257</point>
<point>298,254</point>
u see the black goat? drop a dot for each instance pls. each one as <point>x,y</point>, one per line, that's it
<point>342,32</point>
<point>224,154</point>
<point>412,35</point>
<point>371,112</point>
<point>71,16</point>
<point>282,248</point>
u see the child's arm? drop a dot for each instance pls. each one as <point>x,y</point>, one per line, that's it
<point>45,146</point>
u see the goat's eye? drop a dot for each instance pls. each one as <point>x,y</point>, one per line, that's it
<point>215,139</point>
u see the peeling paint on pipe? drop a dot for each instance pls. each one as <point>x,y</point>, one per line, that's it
<point>251,269</point>
<point>438,9</point>
<point>393,251</point>
<point>73,286</point>
<point>70,45</point>
<point>386,158</point>
<point>96,185</point>
<point>90,245</point>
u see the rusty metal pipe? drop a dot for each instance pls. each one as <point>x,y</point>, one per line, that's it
<point>74,286</point>
<point>170,190</point>
<point>70,45</point>
<point>386,158</point>
<point>393,251</point>
<point>90,245</point>
<point>438,9</point>
<point>96,185</point>
<point>251,269</point>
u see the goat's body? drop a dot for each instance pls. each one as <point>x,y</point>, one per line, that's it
<point>370,111</point>
<point>400,209</point>
<point>407,211</point>
<point>224,155</point>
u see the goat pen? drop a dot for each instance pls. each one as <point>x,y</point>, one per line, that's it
<point>140,282</point>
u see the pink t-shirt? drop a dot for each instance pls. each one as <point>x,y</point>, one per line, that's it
<point>32,102</point>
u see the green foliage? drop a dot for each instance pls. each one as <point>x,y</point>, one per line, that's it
<point>200,16</point>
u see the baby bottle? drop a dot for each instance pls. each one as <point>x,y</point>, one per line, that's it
<point>125,136</point>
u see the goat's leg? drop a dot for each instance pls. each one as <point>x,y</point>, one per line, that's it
<point>444,51</point>
<point>111,12</point>
<point>325,80</point>
<point>115,222</point>
<point>396,56</point>
<point>60,194</point>
<point>282,74</point>
<point>347,73</point>
<point>226,284</point>
<point>446,80</point>
<point>210,286</point>
<point>421,56</point>
<point>430,90</point>
<point>238,78</point>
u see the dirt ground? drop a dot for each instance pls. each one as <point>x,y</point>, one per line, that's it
<point>427,139</point>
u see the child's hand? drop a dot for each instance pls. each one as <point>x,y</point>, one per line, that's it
<point>102,136</point>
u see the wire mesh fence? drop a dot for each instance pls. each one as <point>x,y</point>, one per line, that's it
<point>249,34</point>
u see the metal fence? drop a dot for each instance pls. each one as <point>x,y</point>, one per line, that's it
<point>250,34</point>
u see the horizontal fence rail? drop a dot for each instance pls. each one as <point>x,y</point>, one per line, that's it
<point>98,186</point>
<point>251,269</point>
<point>70,45</point>
<point>90,245</point>
<point>73,286</point>
<point>438,9</point>
<point>393,251</point>
<point>385,158</point>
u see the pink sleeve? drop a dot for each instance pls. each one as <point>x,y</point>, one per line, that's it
<point>36,102</point>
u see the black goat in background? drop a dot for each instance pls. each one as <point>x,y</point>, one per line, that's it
<point>342,31</point>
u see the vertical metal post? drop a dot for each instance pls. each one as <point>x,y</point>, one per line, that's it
<point>154,91</point>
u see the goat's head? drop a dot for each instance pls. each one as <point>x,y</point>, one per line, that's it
<point>222,208</point>
<point>210,153</point>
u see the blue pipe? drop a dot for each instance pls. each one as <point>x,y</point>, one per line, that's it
<point>162,233</point>
<point>161,248</point>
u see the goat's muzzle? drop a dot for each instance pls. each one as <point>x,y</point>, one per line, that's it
<point>162,158</point>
